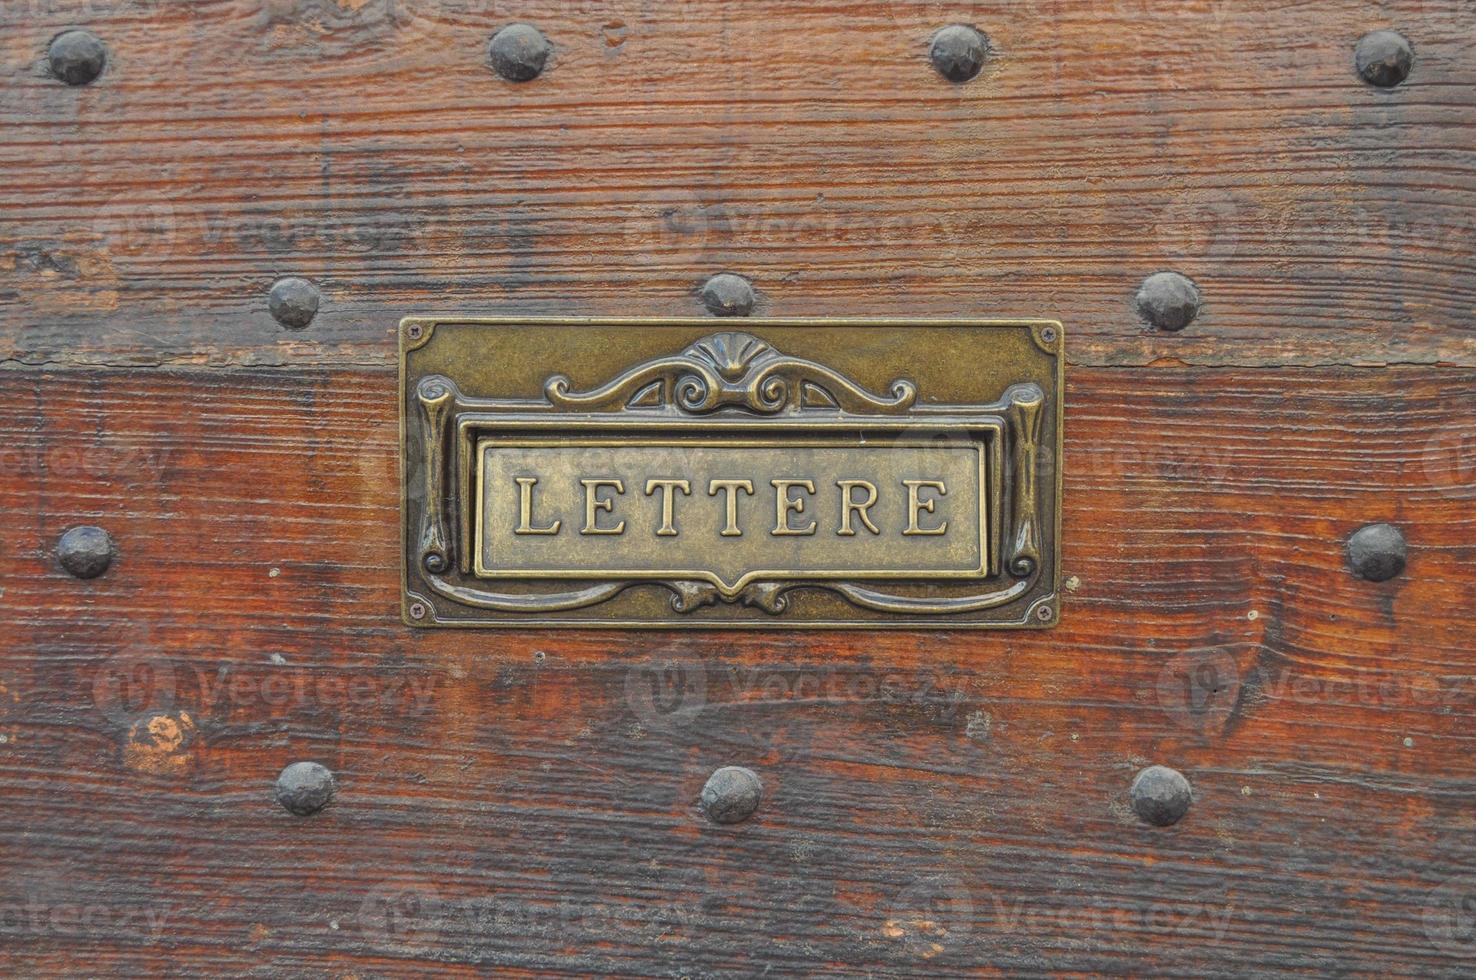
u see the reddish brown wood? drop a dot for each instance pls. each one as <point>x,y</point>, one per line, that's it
<point>938,803</point>
<point>526,783</point>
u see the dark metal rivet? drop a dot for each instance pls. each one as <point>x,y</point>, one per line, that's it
<point>1160,795</point>
<point>728,295</point>
<point>732,794</point>
<point>294,302</point>
<point>1377,552</point>
<point>958,52</point>
<point>1383,58</point>
<point>1168,300</point>
<point>519,52</point>
<point>304,788</point>
<point>77,57</point>
<point>86,551</point>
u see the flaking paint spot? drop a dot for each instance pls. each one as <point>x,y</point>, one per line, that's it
<point>925,932</point>
<point>161,745</point>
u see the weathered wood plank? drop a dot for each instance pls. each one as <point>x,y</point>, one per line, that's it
<point>937,802</point>
<point>366,145</point>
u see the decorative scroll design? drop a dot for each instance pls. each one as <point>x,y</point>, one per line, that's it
<point>533,602</point>
<point>1027,403</point>
<point>738,372</point>
<point>730,370</point>
<point>772,597</point>
<point>436,396</point>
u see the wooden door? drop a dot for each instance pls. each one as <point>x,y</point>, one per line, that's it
<point>933,801</point>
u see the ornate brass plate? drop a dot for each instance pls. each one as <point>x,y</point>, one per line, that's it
<point>794,473</point>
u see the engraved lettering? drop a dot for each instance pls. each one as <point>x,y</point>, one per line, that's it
<point>784,505</point>
<point>593,503</point>
<point>915,506</point>
<point>731,487</point>
<point>668,504</point>
<point>525,509</point>
<point>849,504</point>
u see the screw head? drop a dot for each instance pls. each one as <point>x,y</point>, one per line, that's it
<point>959,52</point>
<point>1160,796</point>
<point>304,788</point>
<point>293,302</point>
<point>518,52</point>
<point>417,610</point>
<point>726,294</point>
<point>731,795</point>
<point>1383,58</point>
<point>1168,300</point>
<point>77,57</point>
<point>1377,552</point>
<point>86,551</point>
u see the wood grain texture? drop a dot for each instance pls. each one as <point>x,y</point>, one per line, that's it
<point>937,803</point>
<point>365,144</point>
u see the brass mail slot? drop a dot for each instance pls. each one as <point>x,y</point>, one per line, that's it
<point>759,477</point>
